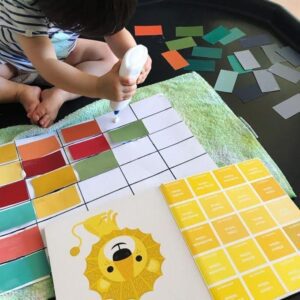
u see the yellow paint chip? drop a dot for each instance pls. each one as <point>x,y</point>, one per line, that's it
<point>8,153</point>
<point>284,210</point>
<point>263,284</point>
<point>243,196</point>
<point>187,214</point>
<point>215,205</point>
<point>176,191</point>
<point>56,202</point>
<point>229,176</point>
<point>203,184</point>
<point>232,289</point>
<point>275,245</point>
<point>11,173</point>
<point>268,189</point>
<point>258,219</point>
<point>289,271</point>
<point>254,169</point>
<point>215,266</point>
<point>246,255</point>
<point>230,229</point>
<point>53,181</point>
<point>200,239</point>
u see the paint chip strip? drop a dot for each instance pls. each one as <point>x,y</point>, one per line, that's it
<point>20,244</point>
<point>53,181</point>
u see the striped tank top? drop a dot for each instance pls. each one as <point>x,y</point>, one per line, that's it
<point>24,17</point>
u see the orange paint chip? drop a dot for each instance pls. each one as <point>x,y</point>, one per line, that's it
<point>175,59</point>
<point>39,148</point>
<point>148,30</point>
<point>80,131</point>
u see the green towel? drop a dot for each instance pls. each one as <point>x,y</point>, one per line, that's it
<point>224,136</point>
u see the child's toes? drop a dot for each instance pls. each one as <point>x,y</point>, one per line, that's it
<point>39,113</point>
<point>45,121</point>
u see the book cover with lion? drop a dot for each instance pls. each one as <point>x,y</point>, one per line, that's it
<point>128,248</point>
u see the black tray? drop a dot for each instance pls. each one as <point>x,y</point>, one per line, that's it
<point>281,138</point>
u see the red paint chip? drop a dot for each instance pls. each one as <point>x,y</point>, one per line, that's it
<point>21,244</point>
<point>44,164</point>
<point>88,148</point>
<point>13,193</point>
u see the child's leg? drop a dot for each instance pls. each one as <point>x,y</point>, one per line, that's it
<point>93,57</point>
<point>28,96</point>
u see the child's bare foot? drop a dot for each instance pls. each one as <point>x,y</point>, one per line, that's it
<point>29,97</point>
<point>46,112</point>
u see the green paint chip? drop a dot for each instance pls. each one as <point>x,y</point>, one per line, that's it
<point>226,81</point>
<point>216,35</point>
<point>235,34</point>
<point>23,271</point>
<point>187,42</point>
<point>235,65</point>
<point>16,216</point>
<point>189,31</point>
<point>201,65</point>
<point>132,131</point>
<point>96,165</point>
<point>207,52</point>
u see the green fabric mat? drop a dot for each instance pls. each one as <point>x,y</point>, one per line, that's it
<point>225,137</point>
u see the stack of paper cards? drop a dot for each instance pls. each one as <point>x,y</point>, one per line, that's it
<point>242,230</point>
<point>48,177</point>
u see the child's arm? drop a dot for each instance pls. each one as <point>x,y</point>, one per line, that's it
<point>120,42</point>
<point>41,53</point>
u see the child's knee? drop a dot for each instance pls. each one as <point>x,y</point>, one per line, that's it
<point>109,56</point>
<point>7,71</point>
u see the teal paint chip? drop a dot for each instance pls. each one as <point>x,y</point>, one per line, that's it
<point>23,271</point>
<point>226,81</point>
<point>235,34</point>
<point>182,31</point>
<point>216,35</point>
<point>236,66</point>
<point>207,52</point>
<point>201,65</point>
<point>16,216</point>
<point>178,44</point>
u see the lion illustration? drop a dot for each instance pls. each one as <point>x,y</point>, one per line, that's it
<point>124,263</point>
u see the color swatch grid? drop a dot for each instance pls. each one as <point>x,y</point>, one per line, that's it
<point>51,176</point>
<point>242,230</point>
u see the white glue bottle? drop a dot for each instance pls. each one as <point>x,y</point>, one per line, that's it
<point>131,66</point>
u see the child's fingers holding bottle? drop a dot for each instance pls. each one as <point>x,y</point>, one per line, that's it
<point>129,87</point>
<point>110,86</point>
<point>146,70</point>
<point>128,91</point>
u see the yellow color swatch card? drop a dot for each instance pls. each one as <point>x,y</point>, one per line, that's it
<point>8,153</point>
<point>242,230</point>
<point>10,173</point>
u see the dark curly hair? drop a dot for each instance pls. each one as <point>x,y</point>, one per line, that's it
<point>89,17</point>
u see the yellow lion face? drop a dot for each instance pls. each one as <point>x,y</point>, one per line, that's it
<point>124,264</point>
<point>122,258</point>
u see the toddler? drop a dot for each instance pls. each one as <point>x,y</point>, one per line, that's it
<point>41,38</point>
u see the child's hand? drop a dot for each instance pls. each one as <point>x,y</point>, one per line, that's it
<point>146,70</point>
<point>113,87</point>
